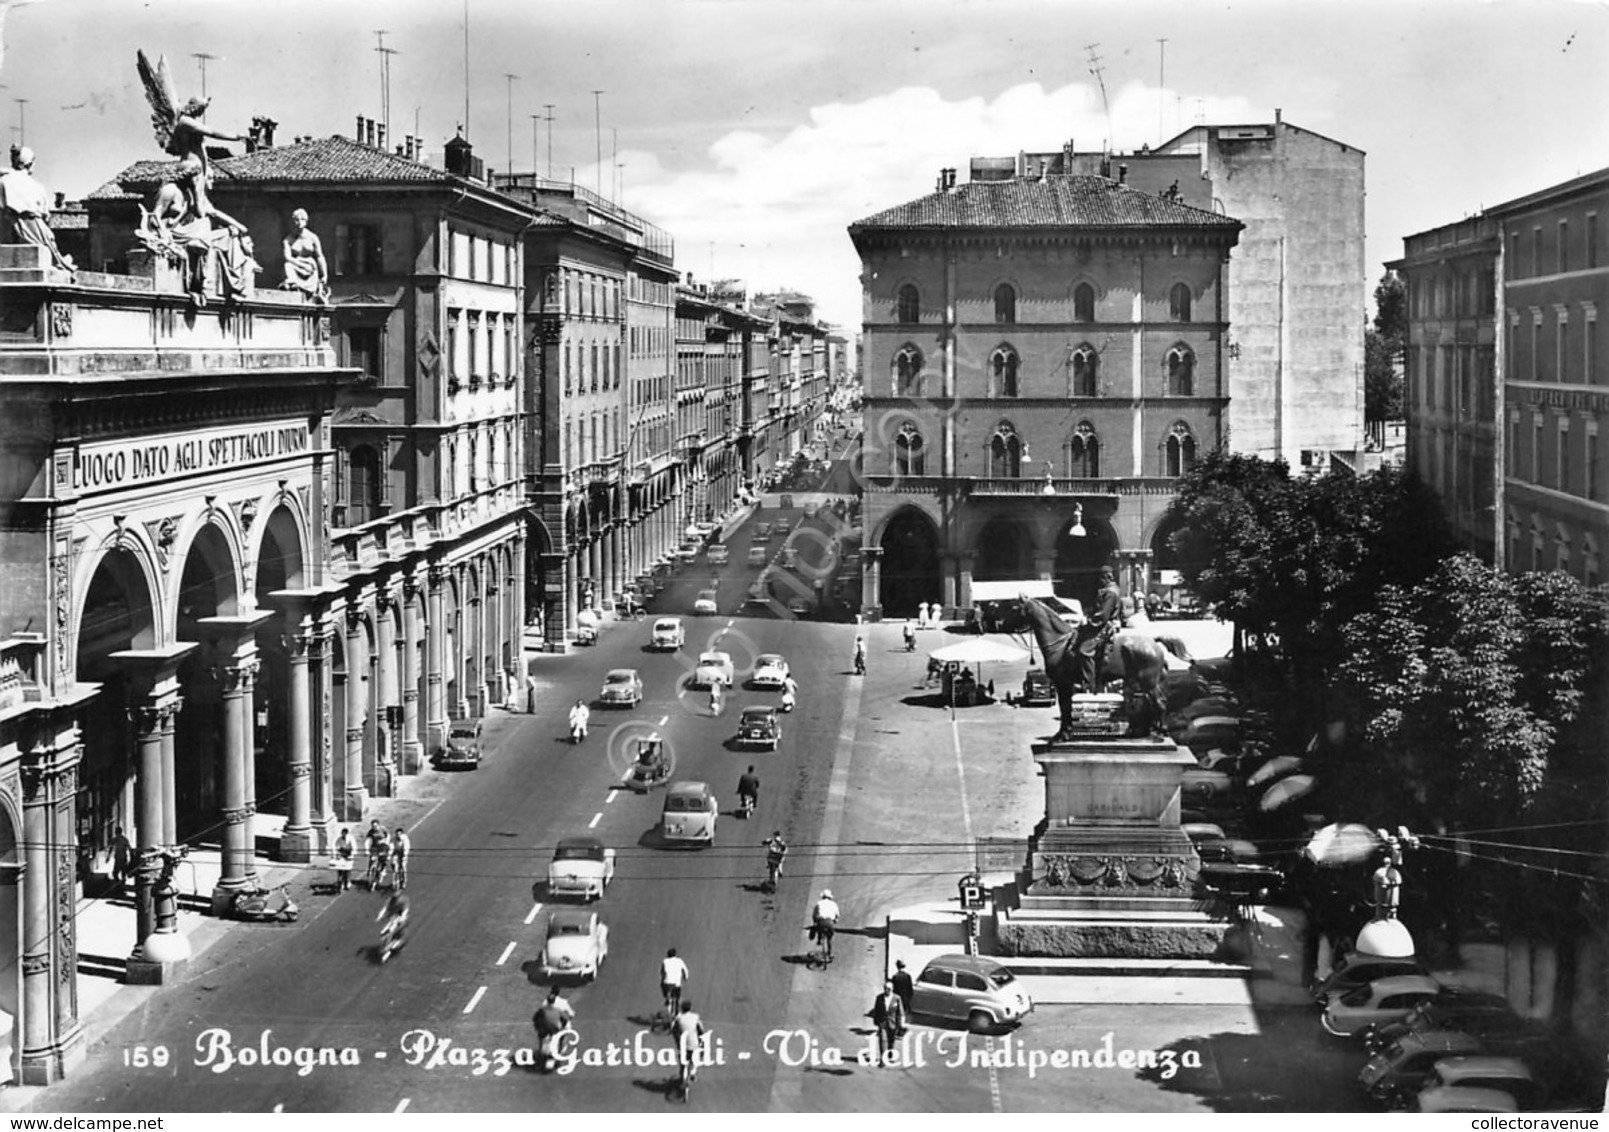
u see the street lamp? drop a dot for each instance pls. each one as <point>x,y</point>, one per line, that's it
<point>1077,529</point>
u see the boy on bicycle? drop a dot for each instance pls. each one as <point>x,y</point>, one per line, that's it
<point>824,918</point>
<point>688,1031</point>
<point>672,977</point>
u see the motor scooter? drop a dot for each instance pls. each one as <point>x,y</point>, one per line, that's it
<point>788,701</point>
<point>392,937</point>
<point>255,906</point>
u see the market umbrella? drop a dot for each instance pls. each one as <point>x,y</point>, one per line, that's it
<point>587,617</point>
<point>1343,843</point>
<point>1286,790</point>
<point>979,650</point>
<point>1274,768</point>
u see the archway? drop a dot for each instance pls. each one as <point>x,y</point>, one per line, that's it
<point>1079,559</point>
<point>910,567</point>
<point>279,567</point>
<point>118,614</point>
<point>207,588</point>
<point>1005,549</point>
<point>10,944</point>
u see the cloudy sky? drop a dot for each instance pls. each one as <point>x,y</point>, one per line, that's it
<point>757,130</point>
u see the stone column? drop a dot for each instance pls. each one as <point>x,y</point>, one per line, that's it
<point>50,1039</point>
<point>384,695</point>
<point>296,841</point>
<point>357,671</point>
<point>153,688</point>
<point>412,637</point>
<point>234,641</point>
<point>170,801</point>
<point>948,569</point>
<point>435,689</point>
<point>1044,566</point>
<point>871,585</point>
<point>963,597</point>
<point>322,678</point>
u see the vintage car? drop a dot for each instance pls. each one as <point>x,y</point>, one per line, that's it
<point>810,509</point>
<point>759,727</point>
<point>971,988</point>
<point>581,866</point>
<point>718,555</point>
<point>576,946</point>
<point>770,671</point>
<point>669,633</point>
<point>1348,1014</point>
<point>1489,1017</point>
<point>1037,690</point>
<point>1394,1074</point>
<point>1358,968</point>
<point>462,748</point>
<point>781,527</point>
<point>1506,1075</point>
<point>799,607</point>
<point>758,556</point>
<point>689,814</point>
<point>762,531</point>
<point>714,667</point>
<point>705,604</point>
<point>622,687</point>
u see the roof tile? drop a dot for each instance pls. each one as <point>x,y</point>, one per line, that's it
<point>1057,201</point>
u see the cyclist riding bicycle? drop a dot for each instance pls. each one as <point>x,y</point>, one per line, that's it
<point>748,791</point>
<point>672,977</point>
<point>379,846</point>
<point>715,696</point>
<point>775,850</point>
<point>551,1019</point>
<point>824,918</point>
<point>688,1030</point>
<point>395,915</point>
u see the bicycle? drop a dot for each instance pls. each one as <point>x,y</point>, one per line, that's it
<point>661,1022</point>
<point>378,867</point>
<point>688,1074</point>
<point>820,957</point>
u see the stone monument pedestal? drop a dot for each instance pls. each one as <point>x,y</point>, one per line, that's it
<point>1110,873</point>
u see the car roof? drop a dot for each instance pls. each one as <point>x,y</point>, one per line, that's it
<point>759,711</point>
<point>571,917</point>
<point>977,964</point>
<point>579,842</point>
<point>689,789</point>
<point>1440,1039</point>
<point>1466,1098</point>
<point>613,672</point>
<point>1403,984</point>
<point>667,622</point>
<point>721,656</point>
<point>1483,1065</point>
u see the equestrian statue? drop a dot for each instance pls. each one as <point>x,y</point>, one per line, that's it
<point>1077,658</point>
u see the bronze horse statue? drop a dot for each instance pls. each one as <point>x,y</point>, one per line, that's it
<point>1134,657</point>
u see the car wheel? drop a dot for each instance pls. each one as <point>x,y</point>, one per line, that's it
<point>979,1022</point>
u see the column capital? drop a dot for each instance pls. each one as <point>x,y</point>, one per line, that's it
<point>154,673</point>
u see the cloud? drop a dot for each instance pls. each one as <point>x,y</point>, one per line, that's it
<point>774,207</point>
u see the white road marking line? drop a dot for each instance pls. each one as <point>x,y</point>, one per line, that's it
<point>531,915</point>
<point>664,719</point>
<point>475,1001</point>
<point>402,1105</point>
<point>507,951</point>
<point>595,819</point>
<point>610,797</point>
<point>280,1107</point>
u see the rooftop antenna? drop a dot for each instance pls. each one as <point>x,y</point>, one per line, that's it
<point>597,135</point>
<point>536,164</point>
<point>1161,85</point>
<point>202,57</point>
<point>22,120</point>
<point>510,79</point>
<point>548,106</point>
<point>1095,69</point>
<point>614,157</point>
<point>466,70</point>
<point>385,54</point>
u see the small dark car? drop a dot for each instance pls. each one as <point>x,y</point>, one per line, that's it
<point>463,745</point>
<point>1037,690</point>
<point>759,728</point>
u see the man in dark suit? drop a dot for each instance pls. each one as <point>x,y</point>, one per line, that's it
<point>1104,619</point>
<point>903,985</point>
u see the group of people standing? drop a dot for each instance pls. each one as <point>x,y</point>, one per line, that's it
<point>891,1011</point>
<point>387,853</point>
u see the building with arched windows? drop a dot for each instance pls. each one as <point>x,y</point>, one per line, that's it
<point>1034,348</point>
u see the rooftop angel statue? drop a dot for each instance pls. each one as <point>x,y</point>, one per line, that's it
<point>181,132</point>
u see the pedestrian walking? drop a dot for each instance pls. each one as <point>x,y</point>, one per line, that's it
<point>903,986</point>
<point>343,853</point>
<point>122,856</point>
<point>888,1015</point>
<point>401,850</point>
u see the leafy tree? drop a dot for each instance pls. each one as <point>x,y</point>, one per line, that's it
<point>1391,312</point>
<point>1382,383</point>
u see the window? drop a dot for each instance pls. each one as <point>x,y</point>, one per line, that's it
<point>1082,366</point>
<point>1536,250</point>
<point>1084,303</point>
<point>907,371</point>
<point>1179,303</point>
<point>1536,448</point>
<point>1564,246</point>
<point>1005,303</point>
<point>1003,364</point>
<point>1536,346</point>
<point>455,368</point>
<point>1589,488</point>
<point>594,367</point>
<point>1561,346</point>
<point>1561,549</point>
<point>1181,367</point>
<point>358,249</point>
<point>1589,348</point>
<point>474,347</point>
<point>1005,452</point>
<point>908,307</point>
<point>1514,253</point>
<point>1592,239</point>
<point>362,485</point>
<point>909,457</point>
<point>1589,560</point>
<point>1084,453</point>
<point>1561,457</point>
<point>1180,450</point>
<point>474,463</point>
<point>363,352</point>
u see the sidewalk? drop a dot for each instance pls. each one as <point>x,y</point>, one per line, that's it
<point>106,923</point>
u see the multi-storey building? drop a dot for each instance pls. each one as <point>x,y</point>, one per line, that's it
<point>1450,373</point>
<point>1040,352</point>
<point>427,551</point>
<point>1506,389</point>
<point>172,634</point>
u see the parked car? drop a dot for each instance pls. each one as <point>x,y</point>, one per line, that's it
<point>462,748</point>
<point>718,555</point>
<point>1462,1099</point>
<point>1395,1073</point>
<point>1357,968</point>
<point>1507,1075</point>
<point>705,604</point>
<point>712,667</point>
<point>1487,1016</point>
<point>810,509</point>
<point>759,727</point>
<point>770,671</point>
<point>689,813</point>
<point>762,531</point>
<point>581,866</point>
<point>970,988</point>
<point>576,946</point>
<point>622,687</point>
<point>1348,1014</point>
<point>669,633</point>
<point>790,557</point>
<point>758,556</point>
<point>1037,690</point>
<point>799,607</point>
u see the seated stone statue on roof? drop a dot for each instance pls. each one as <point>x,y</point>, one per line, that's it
<point>25,208</point>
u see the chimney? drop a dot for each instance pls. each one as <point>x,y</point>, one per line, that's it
<point>368,131</point>
<point>1123,173</point>
<point>949,179</point>
<point>358,137</point>
<point>380,136</point>
<point>1279,115</point>
<point>938,186</point>
<point>61,200</point>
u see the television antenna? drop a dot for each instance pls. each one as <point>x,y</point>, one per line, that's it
<point>385,54</point>
<point>1100,79</point>
<point>202,57</point>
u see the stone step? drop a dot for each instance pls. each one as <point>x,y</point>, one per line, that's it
<point>1097,913</point>
<point>1127,968</point>
<point>1095,905</point>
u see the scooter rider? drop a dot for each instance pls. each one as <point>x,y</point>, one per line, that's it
<point>579,716</point>
<point>395,915</point>
<point>775,850</point>
<point>790,694</point>
<point>715,695</point>
<point>748,791</point>
<point>551,1019</point>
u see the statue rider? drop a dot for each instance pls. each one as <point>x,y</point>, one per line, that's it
<point>1101,624</point>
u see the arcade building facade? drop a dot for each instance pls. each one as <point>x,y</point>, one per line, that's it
<point>1043,358</point>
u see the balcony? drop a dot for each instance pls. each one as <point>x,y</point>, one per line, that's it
<point>989,486</point>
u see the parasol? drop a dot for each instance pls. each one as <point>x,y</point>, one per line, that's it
<point>1275,768</point>
<point>979,650</point>
<point>1344,843</point>
<point>1286,790</point>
